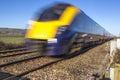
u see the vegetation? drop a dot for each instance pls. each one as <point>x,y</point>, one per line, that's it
<point>12,35</point>
<point>117,57</point>
<point>7,46</point>
<point>12,39</point>
<point>11,42</point>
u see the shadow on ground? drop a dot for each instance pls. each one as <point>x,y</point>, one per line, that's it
<point>106,79</point>
<point>4,75</point>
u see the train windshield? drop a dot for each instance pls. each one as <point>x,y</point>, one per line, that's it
<point>52,13</point>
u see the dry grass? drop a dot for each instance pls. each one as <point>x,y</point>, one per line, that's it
<point>12,39</point>
<point>117,57</point>
<point>7,46</point>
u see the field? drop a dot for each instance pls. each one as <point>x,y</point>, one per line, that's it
<point>12,39</point>
<point>11,42</point>
<point>12,35</point>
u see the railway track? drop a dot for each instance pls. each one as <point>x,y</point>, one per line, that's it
<point>12,50</point>
<point>11,58</point>
<point>56,60</point>
<point>18,61</point>
<point>17,53</point>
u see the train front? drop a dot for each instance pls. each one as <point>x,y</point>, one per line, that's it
<point>49,32</point>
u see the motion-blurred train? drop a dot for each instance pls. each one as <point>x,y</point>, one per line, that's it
<point>59,28</point>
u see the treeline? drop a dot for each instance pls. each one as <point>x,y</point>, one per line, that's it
<point>12,32</point>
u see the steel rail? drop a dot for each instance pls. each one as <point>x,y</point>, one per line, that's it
<point>18,61</point>
<point>12,50</point>
<point>19,53</point>
<point>47,64</point>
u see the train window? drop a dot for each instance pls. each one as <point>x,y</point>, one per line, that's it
<point>78,24</point>
<point>82,23</point>
<point>50,14</point>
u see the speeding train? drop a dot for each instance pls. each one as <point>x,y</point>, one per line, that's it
<point>61,27</point>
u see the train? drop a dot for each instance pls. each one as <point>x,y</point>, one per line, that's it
<point>59,28</point>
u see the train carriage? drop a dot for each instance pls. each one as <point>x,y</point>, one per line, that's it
<point>61,26</point>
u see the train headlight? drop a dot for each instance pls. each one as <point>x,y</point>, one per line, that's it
<point>61,30</point>
<point>54,40</point>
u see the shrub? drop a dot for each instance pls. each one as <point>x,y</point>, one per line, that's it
<point>7,46</point>
<point>117,57</point>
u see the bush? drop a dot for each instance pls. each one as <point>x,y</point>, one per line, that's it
<point>117,57</point>
<point>7,46</point>
<point>2,46</point>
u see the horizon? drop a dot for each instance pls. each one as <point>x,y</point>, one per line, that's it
<point>16,16</point>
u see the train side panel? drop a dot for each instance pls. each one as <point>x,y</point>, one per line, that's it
<point>62,26</point>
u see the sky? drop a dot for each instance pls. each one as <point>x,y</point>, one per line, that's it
<point>17,13</point>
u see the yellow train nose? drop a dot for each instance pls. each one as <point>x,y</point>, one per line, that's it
<point>42,30</point>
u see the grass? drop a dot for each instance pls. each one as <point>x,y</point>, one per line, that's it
<point>12,39</point>
<point>117,56</point>
<point>11,42</point>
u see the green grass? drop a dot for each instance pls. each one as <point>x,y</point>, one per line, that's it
<point>12,39</point>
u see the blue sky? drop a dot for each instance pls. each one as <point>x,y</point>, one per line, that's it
<point>16,13</point>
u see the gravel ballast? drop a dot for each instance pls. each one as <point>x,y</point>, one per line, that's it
<point>80,67</point>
